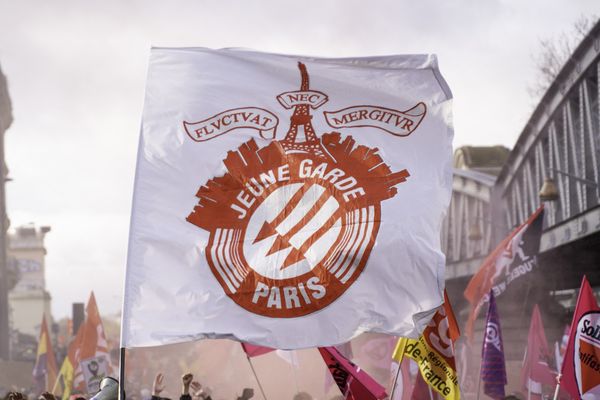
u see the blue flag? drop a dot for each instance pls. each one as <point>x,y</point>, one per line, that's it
<point>493,369</point>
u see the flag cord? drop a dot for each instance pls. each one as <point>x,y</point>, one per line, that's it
<point>395,382</point>
<point>122,374</point>
<point>262,391</point>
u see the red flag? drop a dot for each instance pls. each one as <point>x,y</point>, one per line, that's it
<point>453,331</point>
<point>422,391</point>
<point>536,370</point>
<point>518,248</point>
<point>255,351</point>
<point>64,381</point>
<point>354,383</point>
<point>92,357</point>
<point>586,303</point>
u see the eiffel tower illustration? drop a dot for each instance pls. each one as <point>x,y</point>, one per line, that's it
<point>302,118</point>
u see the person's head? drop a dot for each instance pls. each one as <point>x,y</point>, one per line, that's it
<point>15,396</point>
<point>46,396</point>
<point>247,393</point>
<point>302,396</point>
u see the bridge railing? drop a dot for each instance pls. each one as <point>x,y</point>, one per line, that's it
<point>467,230</point>
<point>561,141</point>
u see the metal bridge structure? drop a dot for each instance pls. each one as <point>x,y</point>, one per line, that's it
<point>561,144</point>
<point>555,162</point>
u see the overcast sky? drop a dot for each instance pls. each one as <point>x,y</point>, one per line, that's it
<point>76,73</point>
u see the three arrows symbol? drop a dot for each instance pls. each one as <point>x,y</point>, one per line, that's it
<point>282,240</point>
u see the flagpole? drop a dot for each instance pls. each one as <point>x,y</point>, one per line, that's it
<point>557,389</point>
<point>122,374</point>
<point>262,391</point>
<point>395,382</point>
<point>295,376</point>
<point>558,362</point>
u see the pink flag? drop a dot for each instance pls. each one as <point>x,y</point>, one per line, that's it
<point>536,370</point>
<point>404,386</point>
<point>346,350</point>
<point>255,351</point>
<point>378,351</point>
<point>354,383</point>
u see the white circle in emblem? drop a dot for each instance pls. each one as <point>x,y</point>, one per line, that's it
<point>271,265</point>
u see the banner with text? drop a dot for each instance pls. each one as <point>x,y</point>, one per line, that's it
<point>264,234</point>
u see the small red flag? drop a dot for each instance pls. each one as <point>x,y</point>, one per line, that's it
<point>536,369</point>
<point>496,267</point>
<point>578,373</point>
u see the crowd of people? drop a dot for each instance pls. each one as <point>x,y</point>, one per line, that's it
<point>190,390</point>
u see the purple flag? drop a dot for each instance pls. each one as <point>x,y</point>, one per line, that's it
<point>493,370</point>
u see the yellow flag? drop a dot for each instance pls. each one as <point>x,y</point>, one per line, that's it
<point>433,352</point>
<point>65,379</point>
<point>67,370</point>
<point>398,354</point>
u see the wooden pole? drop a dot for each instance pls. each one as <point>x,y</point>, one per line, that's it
<point>262,391</point>
<point>398,371</point>
<point>430,392</point>
<point>556,390</point>
<point>122,374</point>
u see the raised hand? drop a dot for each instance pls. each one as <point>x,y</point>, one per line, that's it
<point>196,390</point>
<point>186,380</point>
<point>159,384</point>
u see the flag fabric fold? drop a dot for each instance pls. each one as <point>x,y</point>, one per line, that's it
<point>255,351</point>
<point>353,382</point>
<point>265,189</point>
<point>536,368</point>
<point>433,352</point>
<point>493,367</point>
<point>511,260</point>
<point>580,363</point>
<point>45,370</point>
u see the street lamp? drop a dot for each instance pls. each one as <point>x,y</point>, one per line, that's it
<point>549,191</point>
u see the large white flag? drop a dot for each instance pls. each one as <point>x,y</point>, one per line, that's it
<point>287,201</point>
